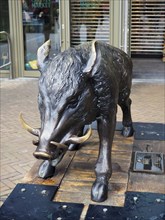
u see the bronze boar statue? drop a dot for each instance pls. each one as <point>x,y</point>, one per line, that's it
<point>77,87</point>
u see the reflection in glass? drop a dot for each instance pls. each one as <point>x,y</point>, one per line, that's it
<point>40,23</point>
<point>4,26</point>
<point>89,20</point>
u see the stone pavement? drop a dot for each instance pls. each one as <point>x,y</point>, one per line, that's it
<point>20,95</point>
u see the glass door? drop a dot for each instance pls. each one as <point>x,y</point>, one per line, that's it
<point>40,20</point>
<point>4,47</point>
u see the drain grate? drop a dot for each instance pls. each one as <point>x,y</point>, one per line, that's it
<point>150,162</point>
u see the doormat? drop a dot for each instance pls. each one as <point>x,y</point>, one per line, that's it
<point>31,201</point>
<point>138,206</point>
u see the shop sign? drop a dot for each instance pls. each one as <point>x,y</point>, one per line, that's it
<point>41,3</point>
<point>89,4</point>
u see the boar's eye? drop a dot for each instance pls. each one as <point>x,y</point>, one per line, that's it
<point>73,103</point>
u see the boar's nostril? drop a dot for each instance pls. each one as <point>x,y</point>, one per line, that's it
<point>42,155</point>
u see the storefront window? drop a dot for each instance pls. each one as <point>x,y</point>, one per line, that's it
<point>147,28</point>
<point>89,20</point>
<point>40,23</point>
<point>4,26</point>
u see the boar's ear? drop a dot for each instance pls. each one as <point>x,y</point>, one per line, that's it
<point>43,53</point>
<point>92,58</point>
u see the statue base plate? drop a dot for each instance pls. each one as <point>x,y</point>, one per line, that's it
<point>31,201</point>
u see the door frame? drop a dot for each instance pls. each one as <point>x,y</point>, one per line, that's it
<point>120,24</point>
<point>15,18</point>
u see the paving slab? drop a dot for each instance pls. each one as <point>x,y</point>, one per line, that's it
<point>20,95</point>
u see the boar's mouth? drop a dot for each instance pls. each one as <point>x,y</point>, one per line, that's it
<point>73,139</point>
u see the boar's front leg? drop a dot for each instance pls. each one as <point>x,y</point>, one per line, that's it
<point>125,105</point>
<point>103,169</point>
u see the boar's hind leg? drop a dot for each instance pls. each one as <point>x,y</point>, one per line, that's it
<point>125,105</point>
<point>103,169</point>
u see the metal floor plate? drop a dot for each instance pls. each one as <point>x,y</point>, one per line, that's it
<point>149,131</point>
<point>150,162</point>
<point>143,131</point>
<point>28,201</point>
<point>138,206</point>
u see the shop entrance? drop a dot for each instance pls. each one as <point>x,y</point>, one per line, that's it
<point>40,22</point>
<point>67,23</point>
<point>148,38</point>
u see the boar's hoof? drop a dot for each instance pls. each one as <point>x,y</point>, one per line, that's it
<point>58,158</point>
<point>46,170</point>
<point>99,192</point>
<point>127,131</point>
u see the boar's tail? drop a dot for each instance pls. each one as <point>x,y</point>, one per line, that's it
<point>43,53</point>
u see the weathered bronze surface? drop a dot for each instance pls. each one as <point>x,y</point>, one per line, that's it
<point>76,87</point>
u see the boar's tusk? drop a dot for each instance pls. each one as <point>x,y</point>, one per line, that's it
<point>59,144</point>
<point>78,140</point>
<point>34,131</point>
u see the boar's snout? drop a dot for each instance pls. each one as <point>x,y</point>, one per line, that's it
<point>42,155</point>
<point>51,152</point>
